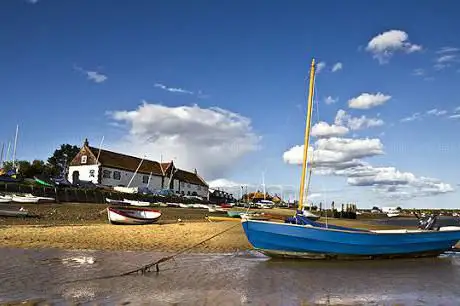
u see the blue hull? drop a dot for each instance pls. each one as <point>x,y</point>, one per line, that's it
<point>291,240</point>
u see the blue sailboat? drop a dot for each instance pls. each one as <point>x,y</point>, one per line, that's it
<point>300,237</point>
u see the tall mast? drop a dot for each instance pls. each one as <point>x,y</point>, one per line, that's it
<point>307,133</point>
<point>15,144</point>
<point>7,157</point>
<point>99,152</point>
<point>1,155</point>
<point>263,182</point>
<point>135,172</point>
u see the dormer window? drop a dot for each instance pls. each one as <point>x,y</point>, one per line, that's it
<point>84,158</point>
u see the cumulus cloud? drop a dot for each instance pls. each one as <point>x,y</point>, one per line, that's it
<point>368,100</point>
<point>330,100</point>
<point>209,139</point>
<point>94,76</point>
<point>173,89</point>
<point>320,66</point>
<point>337,66</point>
<point>356,123</point>
<point>384,45</point>
<point>323,129</point>
<point>225,184</point>
<point>343,157</point>
<point>335,152</point>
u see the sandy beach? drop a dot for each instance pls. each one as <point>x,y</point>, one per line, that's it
<point>85,226</point>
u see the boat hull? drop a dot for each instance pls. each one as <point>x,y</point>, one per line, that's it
<point>300,241</point>
<point>132,216</point>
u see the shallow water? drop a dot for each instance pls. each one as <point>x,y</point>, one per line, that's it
<point>225,279</point>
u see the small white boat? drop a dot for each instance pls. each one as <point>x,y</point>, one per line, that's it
<point>184,205</point>
<point>25,199</point>
<point>41,199</point>
<point>5,199</point>
<point>136,203</point>
<point>132,215</point>
<point>115,202</point>
<point>392,214</point>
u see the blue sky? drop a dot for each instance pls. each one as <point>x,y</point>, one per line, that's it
<point>141,74</point>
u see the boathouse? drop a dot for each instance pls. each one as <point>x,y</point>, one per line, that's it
<point>115,169</point>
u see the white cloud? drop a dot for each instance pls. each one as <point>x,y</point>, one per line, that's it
<point>457,109</point>
<point>418,72</point>
<point>447,58</point>
<point>457,116</point>
<point>336,153</point>
<point>174,89</point>
<point>342,157</point>
<point>413,117</point>
<point>209,139</point>
<point>337,66</point>
<point>323,129</point>
<point>320,66</point>
<point>225,183</point>
<point>94,76</point>
<point>436,112</point>
<point>367,100</point>
<point>330,100</point>
<point>384,45</point>
<point>447,50</point>
<point>356,123</point>
<point>32,1</point>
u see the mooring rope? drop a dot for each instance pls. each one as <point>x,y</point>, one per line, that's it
<point>147,268</point>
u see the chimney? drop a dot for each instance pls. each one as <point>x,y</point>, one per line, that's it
<point>86,143</point>
<point>196,172</point>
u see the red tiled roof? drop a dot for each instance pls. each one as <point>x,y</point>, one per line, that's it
<point>126,162</point>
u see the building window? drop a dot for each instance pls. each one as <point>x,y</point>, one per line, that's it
<point>188,185</point>
<point>116,175</point>
<point>91,173</point>
<point>84,159</point>
<point>188,192</point>
<point>182,184</point>
<point>106,174</point>
<point>145,179</point>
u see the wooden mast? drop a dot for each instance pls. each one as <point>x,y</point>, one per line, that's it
<point>307,133</point>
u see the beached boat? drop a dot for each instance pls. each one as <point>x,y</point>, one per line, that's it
<point>115,202</point>
<point>14,213</point>
<point>136,203</point>
<point>25,199</point>
<point>300,237</point>
<point>132,215</point>
<point>234,214</point>
<point>6,199</point>
<point>392,214</point>
<point>310,215</point>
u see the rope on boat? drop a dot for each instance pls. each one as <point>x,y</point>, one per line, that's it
<point>147,268</point>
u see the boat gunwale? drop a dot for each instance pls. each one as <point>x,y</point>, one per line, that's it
<point>119,212</point>
<point>419,231</point>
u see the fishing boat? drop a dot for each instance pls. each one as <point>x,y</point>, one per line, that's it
<point>132,215</point>
<point>300,237</point>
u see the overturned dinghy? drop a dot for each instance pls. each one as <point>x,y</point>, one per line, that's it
<point>132,215</point>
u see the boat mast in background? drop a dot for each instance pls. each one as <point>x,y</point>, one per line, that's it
<point>7,157</point>
<point>129,184</point>
<point>1,156</point>
<point>307,133</point>
<point>99,152</point>
<point>15,145</point>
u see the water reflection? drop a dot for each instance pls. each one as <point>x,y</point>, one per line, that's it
<point>246,278</point>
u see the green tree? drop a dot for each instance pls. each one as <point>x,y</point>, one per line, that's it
<point>61,158</point>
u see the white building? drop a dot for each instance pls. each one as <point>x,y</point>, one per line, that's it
<point>115,169</point>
